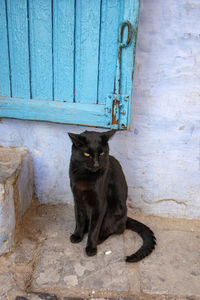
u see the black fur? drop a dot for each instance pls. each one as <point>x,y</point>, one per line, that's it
<point>100,192</point>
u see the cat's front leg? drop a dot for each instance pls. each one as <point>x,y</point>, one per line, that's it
<point>80,229</point>
<point>94,229</point>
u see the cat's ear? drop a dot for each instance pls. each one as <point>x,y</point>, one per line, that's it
<point>107,135</point>
<point>77,139</point>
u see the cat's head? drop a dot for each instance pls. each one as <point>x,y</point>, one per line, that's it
<point>91,149</point>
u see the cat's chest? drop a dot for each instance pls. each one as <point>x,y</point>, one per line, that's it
<point>83,185</point>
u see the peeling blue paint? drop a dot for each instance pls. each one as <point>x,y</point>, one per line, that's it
<point>66,51</point>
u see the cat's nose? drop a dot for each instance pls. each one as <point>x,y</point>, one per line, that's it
<point>96,164</point>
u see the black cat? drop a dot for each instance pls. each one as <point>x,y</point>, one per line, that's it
<point>100,192</point>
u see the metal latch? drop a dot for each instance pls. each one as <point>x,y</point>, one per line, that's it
<point>119,102</point>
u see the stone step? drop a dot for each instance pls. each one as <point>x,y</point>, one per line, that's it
<point>46,265</point>
<point>16,192</point>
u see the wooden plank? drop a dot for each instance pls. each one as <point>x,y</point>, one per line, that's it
<point>87,50</point>
<point>40,24</point>
<point>18,46</point>
<point>110,20</point>
<point>131,13</point>
<point>55,111</point>
<point>63,49</point>
<point>4,58</point>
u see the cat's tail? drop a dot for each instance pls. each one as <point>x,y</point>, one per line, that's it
<point>149,240</point>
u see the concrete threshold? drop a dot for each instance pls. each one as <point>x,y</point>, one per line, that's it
<point>45,265</point>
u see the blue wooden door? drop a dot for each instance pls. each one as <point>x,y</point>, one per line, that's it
<point>68,61</point>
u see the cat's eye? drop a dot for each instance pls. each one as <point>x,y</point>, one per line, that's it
<point>86,154</point>
<point>102,153</point>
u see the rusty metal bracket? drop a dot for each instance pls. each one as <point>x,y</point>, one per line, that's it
<point>117,111</point>
<point>118,99</point>
<point>123,112</point>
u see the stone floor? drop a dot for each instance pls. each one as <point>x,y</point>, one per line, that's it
<point>45,265</point>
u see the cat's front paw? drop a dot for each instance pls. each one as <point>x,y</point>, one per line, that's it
<point>75,238</point>
<point>91,251</point>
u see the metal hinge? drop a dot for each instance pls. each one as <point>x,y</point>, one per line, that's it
<point>117,111</point>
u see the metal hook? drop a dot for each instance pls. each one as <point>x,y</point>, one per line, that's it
<point>121,45</point>
<point>116,105</point>
<point>121,31</point>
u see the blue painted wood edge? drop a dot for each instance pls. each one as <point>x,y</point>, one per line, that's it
<point>86,114</point>
<point>5,88</point>
<point>135,13</point>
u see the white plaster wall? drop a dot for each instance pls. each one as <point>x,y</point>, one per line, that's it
<point>161,153</point>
